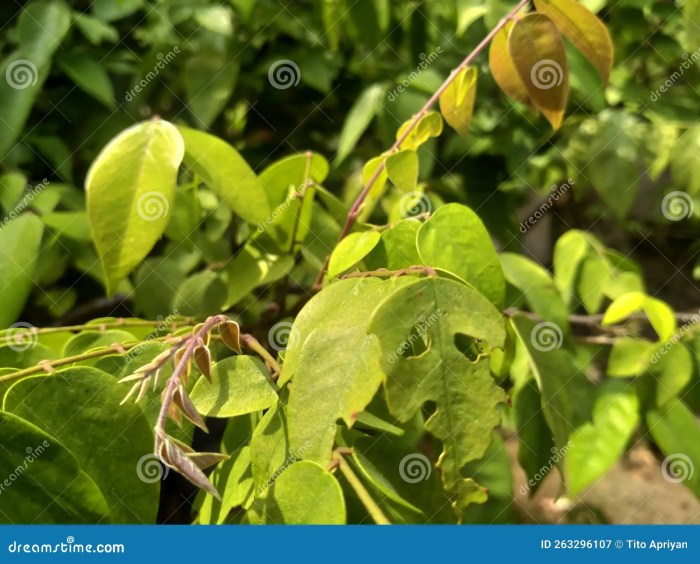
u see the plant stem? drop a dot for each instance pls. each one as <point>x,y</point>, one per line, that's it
<point>253,344</point>
<point>102,326</point>
<point>47,365</point>
<point>417,269</point>
<point>355,209</point>
<point>372,508</point>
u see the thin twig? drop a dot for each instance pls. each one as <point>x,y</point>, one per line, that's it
<point>355,209</point>
<point>372,508</point>
<point>417,269</point>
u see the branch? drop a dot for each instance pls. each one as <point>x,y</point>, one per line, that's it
<point>355,209</point>
<point>372,508</point>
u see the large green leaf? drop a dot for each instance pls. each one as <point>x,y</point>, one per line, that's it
<point>239,385</point>
<point>108,440</point>
<point>43,483</point>
<point>41,27</point>
<point>303,494</point>
<point>130,189</point>
<point>594,447</point>
<point>19,247</point>
<point>333,364</point>
<point>228,175</point>
<point>455,239</point>
<point>430,331</point>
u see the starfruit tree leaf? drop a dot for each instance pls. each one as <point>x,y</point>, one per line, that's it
<point>402,170</point>
<point>455,239</point>
<point>537,50</point>
<point>332,363</point>
<point>358,119</point>
<point>304,494</point>
<point>351,250</point>
<point>457,101</point>
<point>100,433</point>
<point>397,247</point>
<point>239,384</point>
<point>677,433</point>
<point>130,189</point>
<point>227,174</point>
<point>584,29</point>
<point>20,241</point>
<point>502,68</point>
<point>50,488</point>
<point>594,447</point>
<point>443,318</point>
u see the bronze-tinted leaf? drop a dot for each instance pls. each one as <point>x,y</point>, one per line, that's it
<point>185,374</point>
<point>173,457</point>
<point>204,337</point>
<point>502,67</point>
<point>184,403</point>
<point>202,358</point>
<point>202,459</point>
<point>457,101</point>
<point>231,335</point>
<point>537,50</point>
<point>584,29</point>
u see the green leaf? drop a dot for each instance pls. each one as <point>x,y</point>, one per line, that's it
<point>319,500</point>
<point>455,239</point>
<point>429,125</point>
<point>223,169</point>
<point>358,119</point>
<point>332,364</point>
<point>41,27</point>
<point>290,174</point>
<point>593,275</point>
<point>502,67</point>
<point>672,369</point>
<point>624,306</point>
<point>659,313</point>
<point>628,357</point>
<point>209,82</point>
<point>102,435</point>
<point>396,248</point>
<point>677,433</point>
<point>351,250</point>
<point>50,488</point>
<point>239,385</point>
<point>569,252</point>
<point>269,448</point>
<point>580,26</point>
<point>130,189</point>
<point>425,330</point>
<point>457,101</point>
<point>89,75</point>
<point>594,447</point>
<point>109,10</point>
<point>232,478</point>
<point>539,57</point>
<point>199,295</point>
<point>89,340</point>
<point>565,391</point>
<point>19,247</point>
<point>402,170</point>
